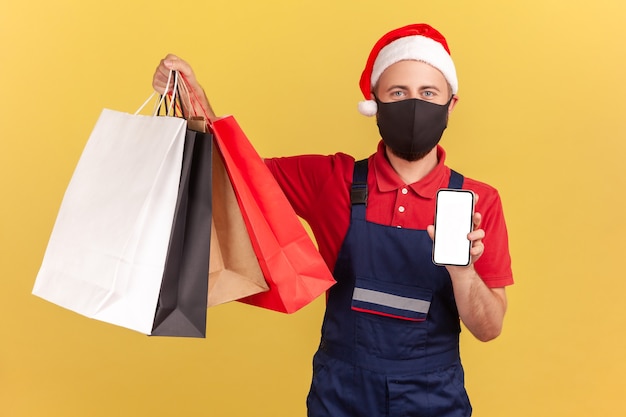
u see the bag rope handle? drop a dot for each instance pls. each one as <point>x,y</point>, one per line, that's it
<point>167,91</point>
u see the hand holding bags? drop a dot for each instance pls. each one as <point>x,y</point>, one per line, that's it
<point>130,245</point>
<point>132,239</point>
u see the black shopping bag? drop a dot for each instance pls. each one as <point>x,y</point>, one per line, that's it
<point>182,304</point>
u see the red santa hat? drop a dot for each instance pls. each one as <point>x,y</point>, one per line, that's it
<point>419,42</point>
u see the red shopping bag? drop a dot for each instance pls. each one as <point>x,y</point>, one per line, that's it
<point>293,268</point>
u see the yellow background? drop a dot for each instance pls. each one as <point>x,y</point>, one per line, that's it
<point>541,117</point>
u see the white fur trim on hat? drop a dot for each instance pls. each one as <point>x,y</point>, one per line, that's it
<point>368,108</point>
<point>419,48</point>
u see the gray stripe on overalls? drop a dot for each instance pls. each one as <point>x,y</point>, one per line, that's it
<point>390,300</point>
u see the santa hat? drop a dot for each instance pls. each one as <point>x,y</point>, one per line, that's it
<point>418,42</point>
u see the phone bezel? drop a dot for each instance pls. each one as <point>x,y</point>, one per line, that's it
<point>437,259</point>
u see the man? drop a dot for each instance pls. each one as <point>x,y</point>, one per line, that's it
<point>390,336</point>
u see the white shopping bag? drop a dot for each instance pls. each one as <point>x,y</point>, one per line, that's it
<point>106,254</point>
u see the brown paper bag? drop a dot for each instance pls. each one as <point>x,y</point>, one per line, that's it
<point>234,270</point>
<point>197,123</point>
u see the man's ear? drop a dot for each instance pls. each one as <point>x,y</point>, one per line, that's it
<point>453,102</point>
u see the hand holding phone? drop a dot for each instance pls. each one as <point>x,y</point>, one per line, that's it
<point>453,222</point>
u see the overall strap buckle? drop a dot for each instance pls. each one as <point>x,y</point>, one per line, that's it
<point>358,192</point>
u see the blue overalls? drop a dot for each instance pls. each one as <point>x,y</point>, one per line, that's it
<point>390,337</point>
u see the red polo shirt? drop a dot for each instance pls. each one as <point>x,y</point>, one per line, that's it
<point>318,187</point>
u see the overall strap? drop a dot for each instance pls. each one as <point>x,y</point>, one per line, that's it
<point>358,191</point>
<point>456,180</point>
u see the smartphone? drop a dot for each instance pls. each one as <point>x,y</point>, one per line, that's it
<point>453,221</point>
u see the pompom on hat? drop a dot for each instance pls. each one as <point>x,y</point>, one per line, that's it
<point>419,42</point>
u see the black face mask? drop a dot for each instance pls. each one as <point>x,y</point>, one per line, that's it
<point>411,128</point>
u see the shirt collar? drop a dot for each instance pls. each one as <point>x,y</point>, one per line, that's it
<point>388,180</point>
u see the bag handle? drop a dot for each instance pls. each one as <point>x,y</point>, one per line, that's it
<point>174,94</point>
<point>193,100</point>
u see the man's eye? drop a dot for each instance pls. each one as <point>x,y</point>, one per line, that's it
<point>428,93</point>
<point>397,93</point>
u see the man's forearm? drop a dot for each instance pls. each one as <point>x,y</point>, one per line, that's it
<point>481,308</point>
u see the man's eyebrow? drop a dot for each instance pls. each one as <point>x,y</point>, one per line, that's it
<point>429,87</point>
<point>397,86</point>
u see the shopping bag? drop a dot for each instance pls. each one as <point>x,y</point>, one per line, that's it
<point>106,254</point>
<point>293,268</point>
<point>182,303</point>
<point>234,270</point>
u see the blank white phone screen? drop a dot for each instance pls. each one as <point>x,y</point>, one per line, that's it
<point>453,221</point>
